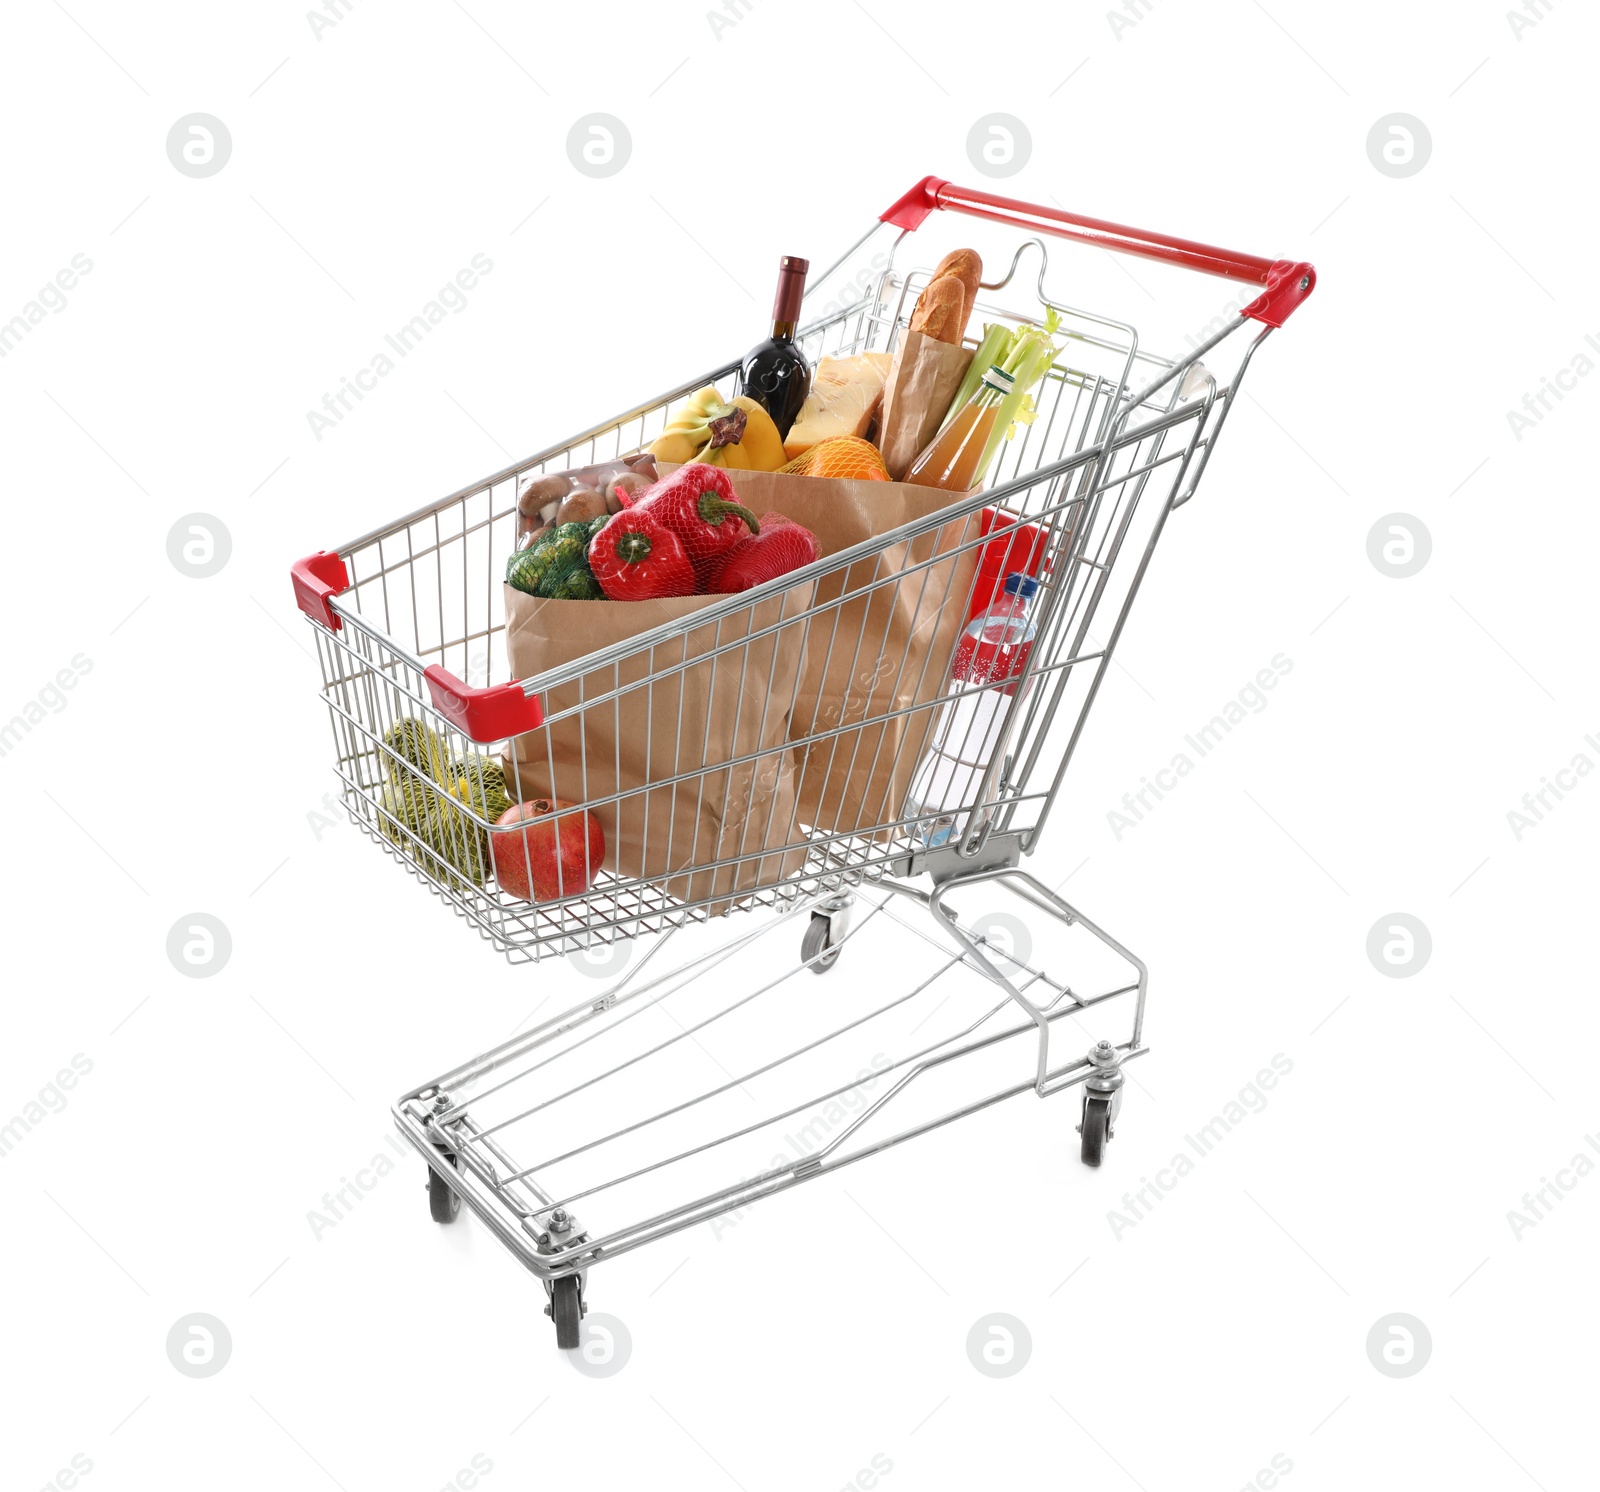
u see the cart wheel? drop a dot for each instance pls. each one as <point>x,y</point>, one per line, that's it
<point>1096,1129</point>
<point>815,940</point>
<point>443,1203</point>
<point>567,1309</point>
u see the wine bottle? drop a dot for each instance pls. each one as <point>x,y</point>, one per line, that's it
<point>775,372</point>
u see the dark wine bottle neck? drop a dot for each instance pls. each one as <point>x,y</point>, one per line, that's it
<point>786,304</point>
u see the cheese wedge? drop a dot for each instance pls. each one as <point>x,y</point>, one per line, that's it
<point>844,399</point>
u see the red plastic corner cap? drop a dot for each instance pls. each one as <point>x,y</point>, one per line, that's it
<point>483,715</point>
<point>913,208</point>
<point>1288,284</point>
<point>316,578</point>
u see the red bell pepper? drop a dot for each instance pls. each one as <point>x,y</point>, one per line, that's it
<point>635,557</point>
<point>698,503</point>
<point>781,545</point>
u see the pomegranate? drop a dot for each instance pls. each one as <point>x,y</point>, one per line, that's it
<point>558,851</point>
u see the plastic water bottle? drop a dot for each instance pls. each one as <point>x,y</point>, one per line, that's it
<point>993,650</point>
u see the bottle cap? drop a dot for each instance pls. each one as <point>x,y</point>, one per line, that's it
<point>792,273</point>
<point>1018,584</point>
<point>998,379</point>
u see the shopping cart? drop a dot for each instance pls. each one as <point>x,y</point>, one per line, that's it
<point>409,623</point>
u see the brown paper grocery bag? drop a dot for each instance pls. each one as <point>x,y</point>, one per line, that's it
<point>922,381</point>
<point>884,649</point>
<point>658,714</point>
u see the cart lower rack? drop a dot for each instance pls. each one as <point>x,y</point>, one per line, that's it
<point>603,1128</point>
<point>557,1142</point>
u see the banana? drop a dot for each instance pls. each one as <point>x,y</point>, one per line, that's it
<point>677,447</point>
<point>689,434</point>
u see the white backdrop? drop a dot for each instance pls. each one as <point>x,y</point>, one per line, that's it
<point>175,327</point>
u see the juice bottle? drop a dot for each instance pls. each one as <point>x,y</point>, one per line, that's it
<point>950,460</point>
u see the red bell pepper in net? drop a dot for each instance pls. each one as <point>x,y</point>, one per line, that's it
<point>697,502</point>
<point>635,557</point>
<point>781,545</point>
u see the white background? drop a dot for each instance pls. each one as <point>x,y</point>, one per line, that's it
<point>368,165</point>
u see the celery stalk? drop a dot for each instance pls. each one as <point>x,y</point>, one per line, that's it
<point>996,341</point>
<point>1027,360</point>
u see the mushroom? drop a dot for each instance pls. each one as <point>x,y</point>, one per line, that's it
<point>542,493</point>
<point>623,490</point>
<point>582,506</point>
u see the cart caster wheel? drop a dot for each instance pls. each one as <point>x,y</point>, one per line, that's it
<point>566,1307</point>
<point>444,1205</point>
<point>815,940</point>
<point>1096,1129</point>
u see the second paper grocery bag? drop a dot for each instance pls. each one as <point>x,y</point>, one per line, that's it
<point>879,643</point>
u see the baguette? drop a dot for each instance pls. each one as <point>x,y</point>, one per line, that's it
<point>940,310</point>
<point>967,267</point>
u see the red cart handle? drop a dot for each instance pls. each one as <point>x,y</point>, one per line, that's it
<point>492,714</point>
<point>316,578</point>
<point>1286,282</point>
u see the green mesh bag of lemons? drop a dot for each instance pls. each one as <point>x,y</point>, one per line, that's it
<point>426,804</point>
